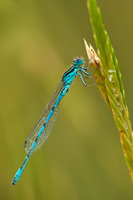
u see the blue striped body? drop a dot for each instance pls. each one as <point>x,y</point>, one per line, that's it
<point>44,125</point>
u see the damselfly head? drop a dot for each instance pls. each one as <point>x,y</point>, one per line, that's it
<point>78,61</point>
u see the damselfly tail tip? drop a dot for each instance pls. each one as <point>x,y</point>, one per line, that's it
<point>13,182</point>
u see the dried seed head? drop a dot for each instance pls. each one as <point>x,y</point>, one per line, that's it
<point>93,57</point>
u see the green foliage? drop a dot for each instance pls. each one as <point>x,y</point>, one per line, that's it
<point>112,86</point>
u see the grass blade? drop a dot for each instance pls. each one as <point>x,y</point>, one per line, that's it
<point>112,87</point>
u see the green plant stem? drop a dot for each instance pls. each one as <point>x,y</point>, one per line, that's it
<point>112,88</point>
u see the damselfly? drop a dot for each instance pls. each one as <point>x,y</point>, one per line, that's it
<point>44,125</point>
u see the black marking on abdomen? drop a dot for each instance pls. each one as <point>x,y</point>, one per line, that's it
<point>53,109</point>
<point>24,163</point>
<point>44,125</point>
<point>36,140</point>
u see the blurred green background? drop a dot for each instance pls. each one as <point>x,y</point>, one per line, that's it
<point>82,159</point>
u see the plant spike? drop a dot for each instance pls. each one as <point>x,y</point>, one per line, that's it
<point>110,77</point>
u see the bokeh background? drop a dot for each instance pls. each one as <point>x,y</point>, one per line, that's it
<point>82,159</point>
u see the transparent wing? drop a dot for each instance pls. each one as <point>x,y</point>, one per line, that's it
<point>34,132</point>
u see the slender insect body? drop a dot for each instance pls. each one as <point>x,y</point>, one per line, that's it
<point>45,123</point>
